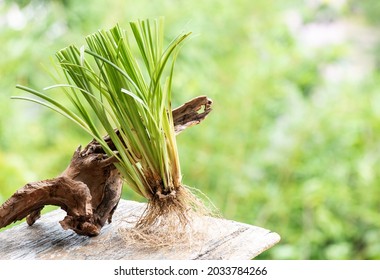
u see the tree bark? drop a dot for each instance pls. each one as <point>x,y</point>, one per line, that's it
<point>89,189</point>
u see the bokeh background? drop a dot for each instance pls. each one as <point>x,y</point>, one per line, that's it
<point>293,142</point>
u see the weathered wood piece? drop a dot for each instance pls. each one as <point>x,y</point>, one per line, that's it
<point>89,189</point>
<point>217,239</point>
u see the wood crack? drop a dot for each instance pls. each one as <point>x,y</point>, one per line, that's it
<point>225,240</point>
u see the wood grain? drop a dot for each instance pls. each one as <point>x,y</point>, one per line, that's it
<point>217,239</point>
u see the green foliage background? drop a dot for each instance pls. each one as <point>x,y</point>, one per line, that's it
<point>293,143</point>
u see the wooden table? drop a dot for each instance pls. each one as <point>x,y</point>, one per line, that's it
<point>222,240</point>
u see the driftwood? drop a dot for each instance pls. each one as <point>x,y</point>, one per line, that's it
<point>216,239</point>
<point>89,189</point>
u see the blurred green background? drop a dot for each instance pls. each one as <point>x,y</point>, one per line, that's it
<point>293,142</point>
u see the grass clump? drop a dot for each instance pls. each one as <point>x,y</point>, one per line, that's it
<point>127,94</point>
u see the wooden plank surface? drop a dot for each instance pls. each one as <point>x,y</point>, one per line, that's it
<point>221,239</point>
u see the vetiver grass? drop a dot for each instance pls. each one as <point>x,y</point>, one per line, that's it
<point>126,95</point>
